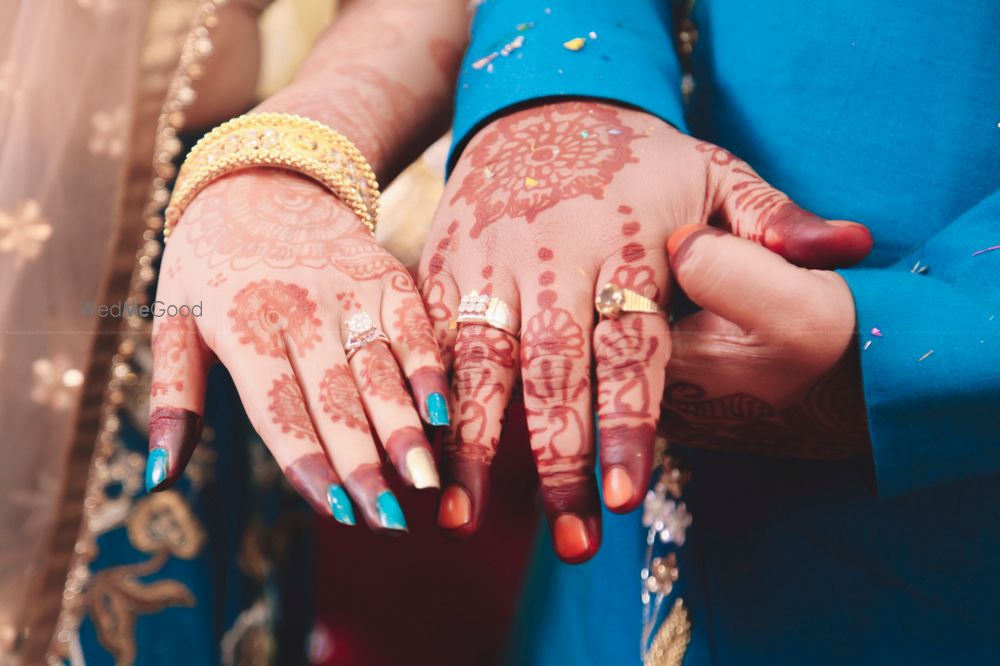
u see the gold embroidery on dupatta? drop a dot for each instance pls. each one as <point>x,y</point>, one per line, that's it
<point>163,523</point>
<point>160,524</point>
<point>113,597</point>
<point>672,639</point>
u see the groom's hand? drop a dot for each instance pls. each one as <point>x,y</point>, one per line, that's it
<point>770,365</point>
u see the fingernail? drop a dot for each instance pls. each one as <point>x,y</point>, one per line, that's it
<point>618,489</point>
<point>456,508</point>
<point>340,505</point>
<point>437,410</point>
<point>571,537</point>
<point>423,473</point>
<point>390,514</point>
<point>844,223</point>
<point>156,468</point>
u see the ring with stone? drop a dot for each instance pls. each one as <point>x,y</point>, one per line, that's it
<point>476,308</point>
<point>361,331</point>
<point>612,300</point>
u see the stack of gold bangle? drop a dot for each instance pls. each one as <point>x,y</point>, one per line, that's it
<point>284,141</point>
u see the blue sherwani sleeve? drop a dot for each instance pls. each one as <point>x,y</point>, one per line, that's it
<point>930,334</point>
<point>517,55</point>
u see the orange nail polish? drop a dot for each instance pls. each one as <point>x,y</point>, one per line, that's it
<point>618,488</point>
<point>676,238</point>
<point>456,508</point>
<point>571,537</point>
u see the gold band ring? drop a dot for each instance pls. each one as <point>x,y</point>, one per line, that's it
<point>612,301</point>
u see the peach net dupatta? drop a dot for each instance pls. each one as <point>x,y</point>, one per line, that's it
<point>89,94</point>
<point>82,85</point>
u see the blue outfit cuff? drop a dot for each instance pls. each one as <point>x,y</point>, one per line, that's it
<point>932,406</point>
<point>627,59</point>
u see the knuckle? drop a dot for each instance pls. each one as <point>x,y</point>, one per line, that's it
<point>618,343</point>
<point>626,347</point>
<point>792,335</point>
<point>566,484</point>
<point>470,380</point>
<point>551,375</point>
<point>621,368</point>
<point>483,363</point>
<point>478,349</point>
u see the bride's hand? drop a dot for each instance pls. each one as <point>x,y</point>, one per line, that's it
<point>281,268</point>
<point>545,207</point>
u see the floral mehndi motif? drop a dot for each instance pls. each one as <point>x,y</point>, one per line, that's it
<point>339,397</point>
<point>529,161</point>
<point>288,409</point>
<point>413,327</point>
<point>267,313</point>
<point>380,377</point>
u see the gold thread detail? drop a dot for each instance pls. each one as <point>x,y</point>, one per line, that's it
<point>671,641</point>
<point>196,47</point>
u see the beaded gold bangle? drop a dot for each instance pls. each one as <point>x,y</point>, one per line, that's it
<point>284,141</point>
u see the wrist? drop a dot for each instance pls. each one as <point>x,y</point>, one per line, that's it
<point>566,121</point>
<point>303,193</point>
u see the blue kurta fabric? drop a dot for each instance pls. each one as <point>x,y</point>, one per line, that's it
<point>886,113</point>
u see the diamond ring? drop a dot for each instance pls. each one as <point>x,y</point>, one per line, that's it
<point>361,331</point>
<point>476,308</point>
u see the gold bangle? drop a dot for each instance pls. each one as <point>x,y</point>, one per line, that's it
<point>284,141</point>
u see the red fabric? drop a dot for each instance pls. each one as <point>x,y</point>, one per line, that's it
<point>425,598</point>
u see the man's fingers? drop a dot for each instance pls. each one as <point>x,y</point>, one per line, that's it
<point>755,210</point>
<point>732,277</point>
<point>177,398</point>
<point>555,368</point>
<point>754,288</point>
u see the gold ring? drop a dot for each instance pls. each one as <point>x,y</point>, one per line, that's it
<point>362,331</point>
<point>612,301</point>
<point>476,308</point>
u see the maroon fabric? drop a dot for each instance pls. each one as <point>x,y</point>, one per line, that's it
<point>426,598</point>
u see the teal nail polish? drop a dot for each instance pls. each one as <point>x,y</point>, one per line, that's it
<point>437,410</point>
<point>156,468</point>
<point>389,512</point>
<point>340,505</point>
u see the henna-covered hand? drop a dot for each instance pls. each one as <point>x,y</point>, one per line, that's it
<point>769,366</point>
<point>545,206</point>
<point>280,265</point>
<point>296,265</point>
